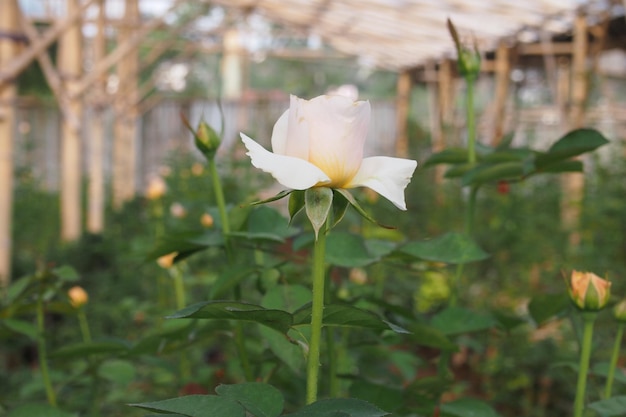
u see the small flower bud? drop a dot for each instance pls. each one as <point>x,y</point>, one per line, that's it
<point>619,311</point>
<point>156,188</point>
<point>166,261</point>
<point>178,210</point>
<point>358,276</point>
<point>588,291</point>
<point>207,140</point>
<point>206,220</point>
<point>78,296</point>
<point>468,60</point>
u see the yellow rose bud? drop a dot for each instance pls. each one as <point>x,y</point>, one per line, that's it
<point>588,291</point>
<point>78,296</point>
<point>358,276</point>
<point>197,169</point>
<point>619,311</point>
<point>156,188</point>
<point>206,220</point>
<point>166,261</point>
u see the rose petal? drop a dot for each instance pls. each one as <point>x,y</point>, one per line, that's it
<point>338,129</point>
<point>387,176</point>
<point>279,134</point>
<point>291,172</point>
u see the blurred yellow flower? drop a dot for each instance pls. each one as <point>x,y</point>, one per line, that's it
<point>166,261</point>
<point>206,220</point>
<point>178,210</point>
<point>358,276</point>
<point>197,169</point>
<point>156,188</point>
<point>78,296</point>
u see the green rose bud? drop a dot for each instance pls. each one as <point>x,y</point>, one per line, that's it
<point>588,291</point>
<point>207,140</point>
<point>619,311</point>
<point>468,60</point>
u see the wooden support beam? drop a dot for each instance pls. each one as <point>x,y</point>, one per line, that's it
<point>403,104</point>
<point>96,188</point>
<point>70,63</point>
<point>573,184</point>
<point>21,61</point>
<point>502,79</point>
<point>125,128</point>
<point>123,49</point>
<point>9,18</point>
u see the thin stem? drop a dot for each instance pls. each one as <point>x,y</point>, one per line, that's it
<point>331,351</point>
<point>317,314</point>
<point>221,206</point>
<point>179,287</point>
<point>614,357</point>
<point>454,292</point>
<point>84,326</point>
<point>43,354</point>
<point>471,119</point>
<point>585,354</point>
<point>471,209</point>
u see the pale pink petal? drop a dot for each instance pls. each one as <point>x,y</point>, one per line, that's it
<point>291,172</point>
<point>387,176</point>
<point>338,129</point>
<point>298,130</point>
<point>279,134</point>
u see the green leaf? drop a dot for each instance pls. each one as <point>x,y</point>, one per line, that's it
<point>543,307</point>
<point>278,196</point>
<point>43,410</point>
<point>506,320</point>
<point>339,407</point>
<point>261,400</point>
<point>196,406</point>
<point>185,243</point>
<point>267,221</point>
<point>452,248</point>
<point>229,279</point>
<point>602,369</point>
<point>508,155</point>
<point>296,203</point>
<point>231,310</point>
<point>614,406</point>
<point>118,371</point>
<point>358,208</point>
<point>493,172</point>
<point>318,202</point>
<point>563,166</point>
<point>458,320</point>
<point>383,396</point>
<point>17,288</point>
<point>458,170</point>
<point>468,407</point>
<point>77,350</point>
<point>574,143</point>
<point>21,326</point>
<point>347,250</point>
<point>448,156</point>
<point>340,207</point>
<point>424,335</point>
<point>345,316</point>
<point>66,273</point>
<point>288,298</point>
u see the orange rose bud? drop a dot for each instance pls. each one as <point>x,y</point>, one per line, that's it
<point>78,296</point>
<point>588,291</point>
<point>166,261</point>
<point>206,220</point>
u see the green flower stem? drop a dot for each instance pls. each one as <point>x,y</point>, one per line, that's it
<point>221,205</point>
<point>317,314</point>
<point>331,351</point>
<point>84,326</point>
<point>471,209</point>
<point>585,354</point>
<point>454,285</point>
<point>614,357</point>
<point>43,354</point>
<point>471,119</point>
<point>179,287</point>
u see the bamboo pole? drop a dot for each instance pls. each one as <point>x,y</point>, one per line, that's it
<point>125,146</point>
<point>21,61</point>
<point>9,18</point>
<point>96,190</point>
<point>403,103</point>
<point>70,68</point>
<point>573,184</point>
<point>502,77</point>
